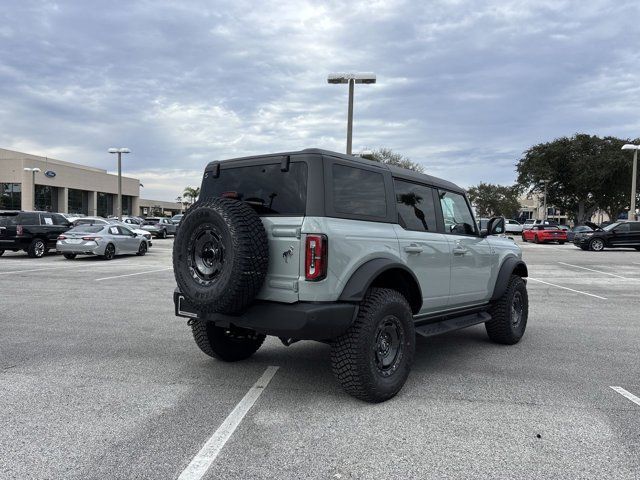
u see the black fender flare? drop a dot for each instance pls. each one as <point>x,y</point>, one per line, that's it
<point>365,274</point>
<point>510,265</point>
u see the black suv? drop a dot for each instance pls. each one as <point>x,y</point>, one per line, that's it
<point>33,232</point>
<point>621,234</point>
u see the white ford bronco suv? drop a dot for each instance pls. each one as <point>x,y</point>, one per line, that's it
<point>317,245</point>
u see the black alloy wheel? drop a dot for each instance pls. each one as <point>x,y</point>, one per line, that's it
<point>142,249</point>
<point>109,252</point>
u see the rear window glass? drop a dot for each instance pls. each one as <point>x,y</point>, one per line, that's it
<point>358,192</point>
<point>267,189</point>
<point>151,221</point>
<point>416,210</point>
<point>86,229</point>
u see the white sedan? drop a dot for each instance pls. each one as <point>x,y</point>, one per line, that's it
<point>513,226</point>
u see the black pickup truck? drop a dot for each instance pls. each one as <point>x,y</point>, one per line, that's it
<point>33,232</point>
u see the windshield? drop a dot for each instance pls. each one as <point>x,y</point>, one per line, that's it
<point>612,226</point>
<point>265,187</point>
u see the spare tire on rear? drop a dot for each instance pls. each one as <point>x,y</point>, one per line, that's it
<point>220,255</point>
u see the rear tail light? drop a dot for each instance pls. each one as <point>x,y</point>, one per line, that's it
<point>91,239</point>
<point>19,230</point>
<point>62,237</point>
<point>316,254</point>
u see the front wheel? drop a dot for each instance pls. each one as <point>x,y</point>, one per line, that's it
<point>509,313</point>
<point>69,256</point>
<point>561,243</point>
<point>372,359</point>
<point>142,249</point>
<point>163,234</point>
<point>109,252</point>
<point>524,239</point>
<point>536,239</point>
<point>228,345</point>
<point>596,245</point>
<point>1,252</point>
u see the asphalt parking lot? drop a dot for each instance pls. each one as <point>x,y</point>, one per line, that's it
<point>98,379</point>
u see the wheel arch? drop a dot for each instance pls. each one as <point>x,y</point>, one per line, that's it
<point>511,266</point>
<point>383,272</point>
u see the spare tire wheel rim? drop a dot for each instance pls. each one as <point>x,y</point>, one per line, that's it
<point>389,342</point>
<point>206,255</point>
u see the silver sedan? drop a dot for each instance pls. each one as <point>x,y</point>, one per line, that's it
<point>106,241</point>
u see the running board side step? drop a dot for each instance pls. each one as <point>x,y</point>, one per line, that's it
<point>451,324</point>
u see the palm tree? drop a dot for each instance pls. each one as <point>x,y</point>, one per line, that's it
<point>192,193</point>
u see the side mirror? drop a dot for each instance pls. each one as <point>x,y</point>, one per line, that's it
<point>496,226</point>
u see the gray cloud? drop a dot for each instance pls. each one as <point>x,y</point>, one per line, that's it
<point>464,86</point>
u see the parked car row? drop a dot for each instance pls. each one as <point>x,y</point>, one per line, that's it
<point>621,234</point>
<point>38,232</point>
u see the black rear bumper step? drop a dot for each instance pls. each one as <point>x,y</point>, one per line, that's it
<point>451,324</point>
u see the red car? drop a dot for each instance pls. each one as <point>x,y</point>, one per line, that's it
<point>544,233</point>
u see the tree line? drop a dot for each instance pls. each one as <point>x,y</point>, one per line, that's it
<point>583,173</point>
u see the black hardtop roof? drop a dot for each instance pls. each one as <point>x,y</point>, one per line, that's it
<point>402,173</point>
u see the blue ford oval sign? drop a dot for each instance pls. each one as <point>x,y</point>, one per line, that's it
<point>50,173</point>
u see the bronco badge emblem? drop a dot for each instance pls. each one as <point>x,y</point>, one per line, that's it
<point>287,254</point>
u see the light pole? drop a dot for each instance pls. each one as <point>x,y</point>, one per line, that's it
<point>351,79</point>
<point>544,203</point>
<point>119,151</point>
<point>33,182</point>
<point>634,176</point>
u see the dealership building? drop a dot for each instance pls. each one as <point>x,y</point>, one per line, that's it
<point>31,182</point>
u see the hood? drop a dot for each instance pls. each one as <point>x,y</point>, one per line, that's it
<point>594,226</point>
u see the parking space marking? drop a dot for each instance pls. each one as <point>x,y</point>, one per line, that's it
<point>132,274</point>
<point>567,288</point>
<point>627,394</point>
<point>67,267</point>
<point>592,270</point>
<point>208,453</point>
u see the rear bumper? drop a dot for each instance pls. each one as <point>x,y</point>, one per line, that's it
<point>300,320</point>
<point>84,248</point>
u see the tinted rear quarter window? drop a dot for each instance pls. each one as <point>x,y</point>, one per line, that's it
<point>358,192</point>
<point>266,188</point>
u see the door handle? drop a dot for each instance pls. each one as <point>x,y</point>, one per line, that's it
<point>413,249</point>
<point>459,250</point>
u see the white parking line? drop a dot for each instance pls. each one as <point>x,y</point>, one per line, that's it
<point>208,453</point>
<point>67,267</point>
<point>567,288</point>
<point>627,394</point>
<point>597,271</point>
<point>132,274</point>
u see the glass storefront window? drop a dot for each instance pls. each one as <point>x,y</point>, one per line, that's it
<point>78,201</point>
<point>10,196</point>
<point>46,198</point>
<point>105,204</point>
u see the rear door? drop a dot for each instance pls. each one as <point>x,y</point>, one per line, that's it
<point>422,247</point>
<point>621,235</point>
<point>471,255</point>
<point>277,190</point>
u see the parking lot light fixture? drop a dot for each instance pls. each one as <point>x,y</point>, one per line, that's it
<point>634,176</point>
<point>33,182</point>
<point>351,79</point>
<point>119,151</point>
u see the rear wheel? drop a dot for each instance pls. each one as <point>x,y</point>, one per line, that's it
<point>229,345</point>
<point>37,248</point>
<point>372,359</point>
<point>69,256</point>
<point>1,252</point>
<point>596,245</point>
<point>561,243</point>
<point>536,239</point>
<point>524,239</point>
<point>109,252</point>
<point>142,249</point>
<point>509,313</point>
<point>637,248</point>
<point>163,234</point>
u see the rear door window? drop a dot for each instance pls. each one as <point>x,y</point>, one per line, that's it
<point>358,192</point>
<point>266,188</point>
<point>416,210</point>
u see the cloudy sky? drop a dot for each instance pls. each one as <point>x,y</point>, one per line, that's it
<point>464,87</point>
